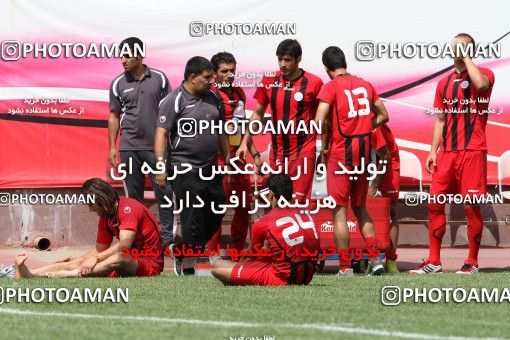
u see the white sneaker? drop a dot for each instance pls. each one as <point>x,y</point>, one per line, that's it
<point>427,268</point>
<point>177,261</point>
<point>375,267</point>
<point>467,269</point>
<point>8,271</point>
<point>346,272</point>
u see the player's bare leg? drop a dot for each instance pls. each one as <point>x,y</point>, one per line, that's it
<point>63,273</point>
<point>67,269</point>
<point>366,224</point>
<point>21,269</point>
<point>222,269</point>
<point>365,221</point>
<point>340,230</point>
<point>124,265</point>
<point>341,233</point>
<point>57,267</point>
<point>121,264</point>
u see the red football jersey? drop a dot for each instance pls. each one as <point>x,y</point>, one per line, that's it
<point>291,236</point>
<point>131,215</point>
<point>465,111</point>
<point>382,136</point>
<point>351,99</point>
<point>291,101</point>
<point>230,102</point>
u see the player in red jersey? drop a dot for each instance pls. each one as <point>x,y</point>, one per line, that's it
<point>292,96</point>
<point>383,142</point>
<point>126,219</point>
<point>351,109</point>
<point>461,100</point>
<point>233,97</point>
<point>292,245</point>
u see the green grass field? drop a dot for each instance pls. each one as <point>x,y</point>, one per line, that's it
<point>170,307</point>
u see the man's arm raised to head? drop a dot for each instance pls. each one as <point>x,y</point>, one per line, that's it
<point>479,80</point>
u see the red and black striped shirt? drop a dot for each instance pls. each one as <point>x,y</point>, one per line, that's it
<point>351,99</point>
<point>291,101</point>
<point>230,101</point>
<point>465,111</point>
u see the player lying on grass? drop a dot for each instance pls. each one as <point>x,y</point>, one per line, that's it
<point>289,235</point>
<point>126,219</point>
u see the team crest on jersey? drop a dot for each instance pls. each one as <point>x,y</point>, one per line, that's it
<point>464,84</point>
<point>127,210</point>
<point>298,96</point>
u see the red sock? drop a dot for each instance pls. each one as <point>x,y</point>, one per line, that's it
<point>344,257</point>
<point>212,244</point>
<point>437,227</point>
<point>391,255</point>
<point>474,231</point>
<point>371,243</point>
<point>239,228</point>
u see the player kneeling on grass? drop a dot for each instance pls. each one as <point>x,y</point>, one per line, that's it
<point>291,239</point>
<point>126,219</point>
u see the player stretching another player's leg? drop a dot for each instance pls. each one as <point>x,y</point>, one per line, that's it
<point>462,100</point>
<point>352,109</point>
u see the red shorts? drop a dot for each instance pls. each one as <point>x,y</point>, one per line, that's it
<point>390,184</point>
<point>302,186</point>
<point>341,187</point>
<point>146,267</point>
<point>460,172</point>
<point>255,273</point>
